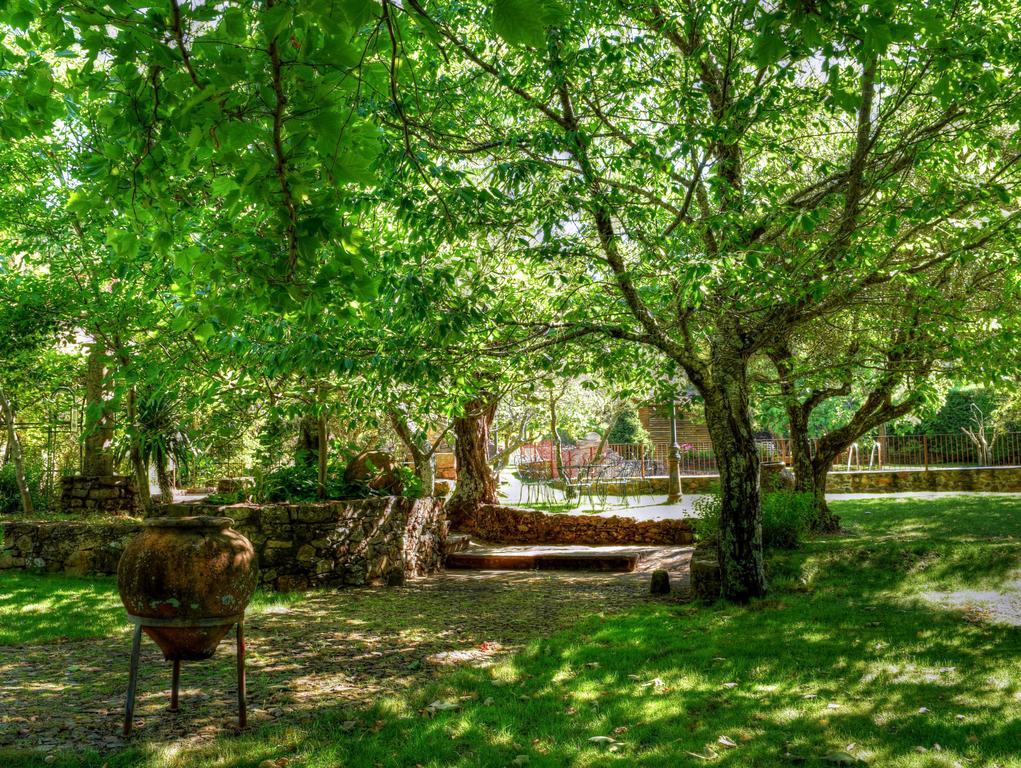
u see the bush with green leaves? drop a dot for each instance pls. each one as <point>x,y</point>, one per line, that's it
<point>10,496</point>
<point>786,518</point>
<point>707,517</point>
<point>300,483</point>
<point>629,430</point>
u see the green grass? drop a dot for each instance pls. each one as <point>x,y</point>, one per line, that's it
<point>52,608</point>
<point>845,660</point>
<point>553,507</point>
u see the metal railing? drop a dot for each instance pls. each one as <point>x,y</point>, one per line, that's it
<point>537,461</point>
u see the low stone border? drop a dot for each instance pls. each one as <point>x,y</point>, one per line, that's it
<point>508,525</point>
<point>989,479</point>
<point>76,547</point>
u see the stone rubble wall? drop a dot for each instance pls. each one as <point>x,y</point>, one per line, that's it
<point>98,495</point>
<point>506,525</point>
<point>990,479</point>
<point>76,547</point>
<point>334,543</point>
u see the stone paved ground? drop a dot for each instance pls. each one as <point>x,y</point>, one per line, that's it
<point>330,648</point>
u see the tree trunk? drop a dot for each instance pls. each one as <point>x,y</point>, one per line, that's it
<point>163,480</point>
<point>322,454</point>
<point>810,471</point>
<point>421,449</point>
<point>558,449</point>
<point>476,484</point>
<point>742,573</point>
<point>825,521</point>
<point>604,439</point>
<point>307,451</point>
<point>138,465</point>
<point>14,447</point>
<point>98,457</point>
<point>801,449</point>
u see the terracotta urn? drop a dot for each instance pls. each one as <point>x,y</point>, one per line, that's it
<point>187,570</point>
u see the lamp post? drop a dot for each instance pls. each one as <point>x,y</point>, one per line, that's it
<point>674,487</point>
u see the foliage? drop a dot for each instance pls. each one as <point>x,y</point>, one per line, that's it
<point>161,437</point>
<point>707,517</point>
<point>299,482</point>
<point>10,499</point>
<point>786,518</point>
<point>628,430</point>
<point>318,210</point>
<point>228,497</point>
<point>957,411</point>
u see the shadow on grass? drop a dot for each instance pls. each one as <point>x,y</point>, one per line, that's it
<point>793,680</point>
<point>840,663</point>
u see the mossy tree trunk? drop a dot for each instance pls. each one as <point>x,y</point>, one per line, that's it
<point>476,483</point>
<point>728,418</point>
<point>97,460</point>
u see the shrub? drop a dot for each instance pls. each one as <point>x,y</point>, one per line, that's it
<point>786,518</point>
<point>628,430</point>
<point>707,521</point>
<point>10,496</point>
<point>300,482</point>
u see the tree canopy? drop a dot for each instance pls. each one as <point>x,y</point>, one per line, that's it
<point>321,210</point>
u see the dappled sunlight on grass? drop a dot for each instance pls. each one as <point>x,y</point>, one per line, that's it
<point>46,608</point>
<point>843,661</point>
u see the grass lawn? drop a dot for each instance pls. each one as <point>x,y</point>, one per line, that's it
<point>852,657</point>
<point>53,608</point>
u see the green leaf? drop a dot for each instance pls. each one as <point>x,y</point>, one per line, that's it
<point>204,332</point>
<point>223,186</point>
<point>234,23</point>
<point>524,22</point>
<point>768,48</point>
<point>358,12</point>
<point>276,19</point>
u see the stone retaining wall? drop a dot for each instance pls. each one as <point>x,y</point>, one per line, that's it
<point>98,495</point>
<point>507,525</point>
<point>77,547</point>
<point>386,539</point>
<point>994,479</point>
<point>990,479</point>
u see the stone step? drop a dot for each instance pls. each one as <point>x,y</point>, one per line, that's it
<point>456,542</point>
<point>575,560</point>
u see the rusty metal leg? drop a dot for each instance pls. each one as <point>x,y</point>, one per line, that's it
<point>175,682</point>
<point>242,692</point>
<point>129,705</point>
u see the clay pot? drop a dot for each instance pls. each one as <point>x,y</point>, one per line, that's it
<point>188,569</point>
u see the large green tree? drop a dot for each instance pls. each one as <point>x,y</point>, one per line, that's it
<point>708,178</point>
